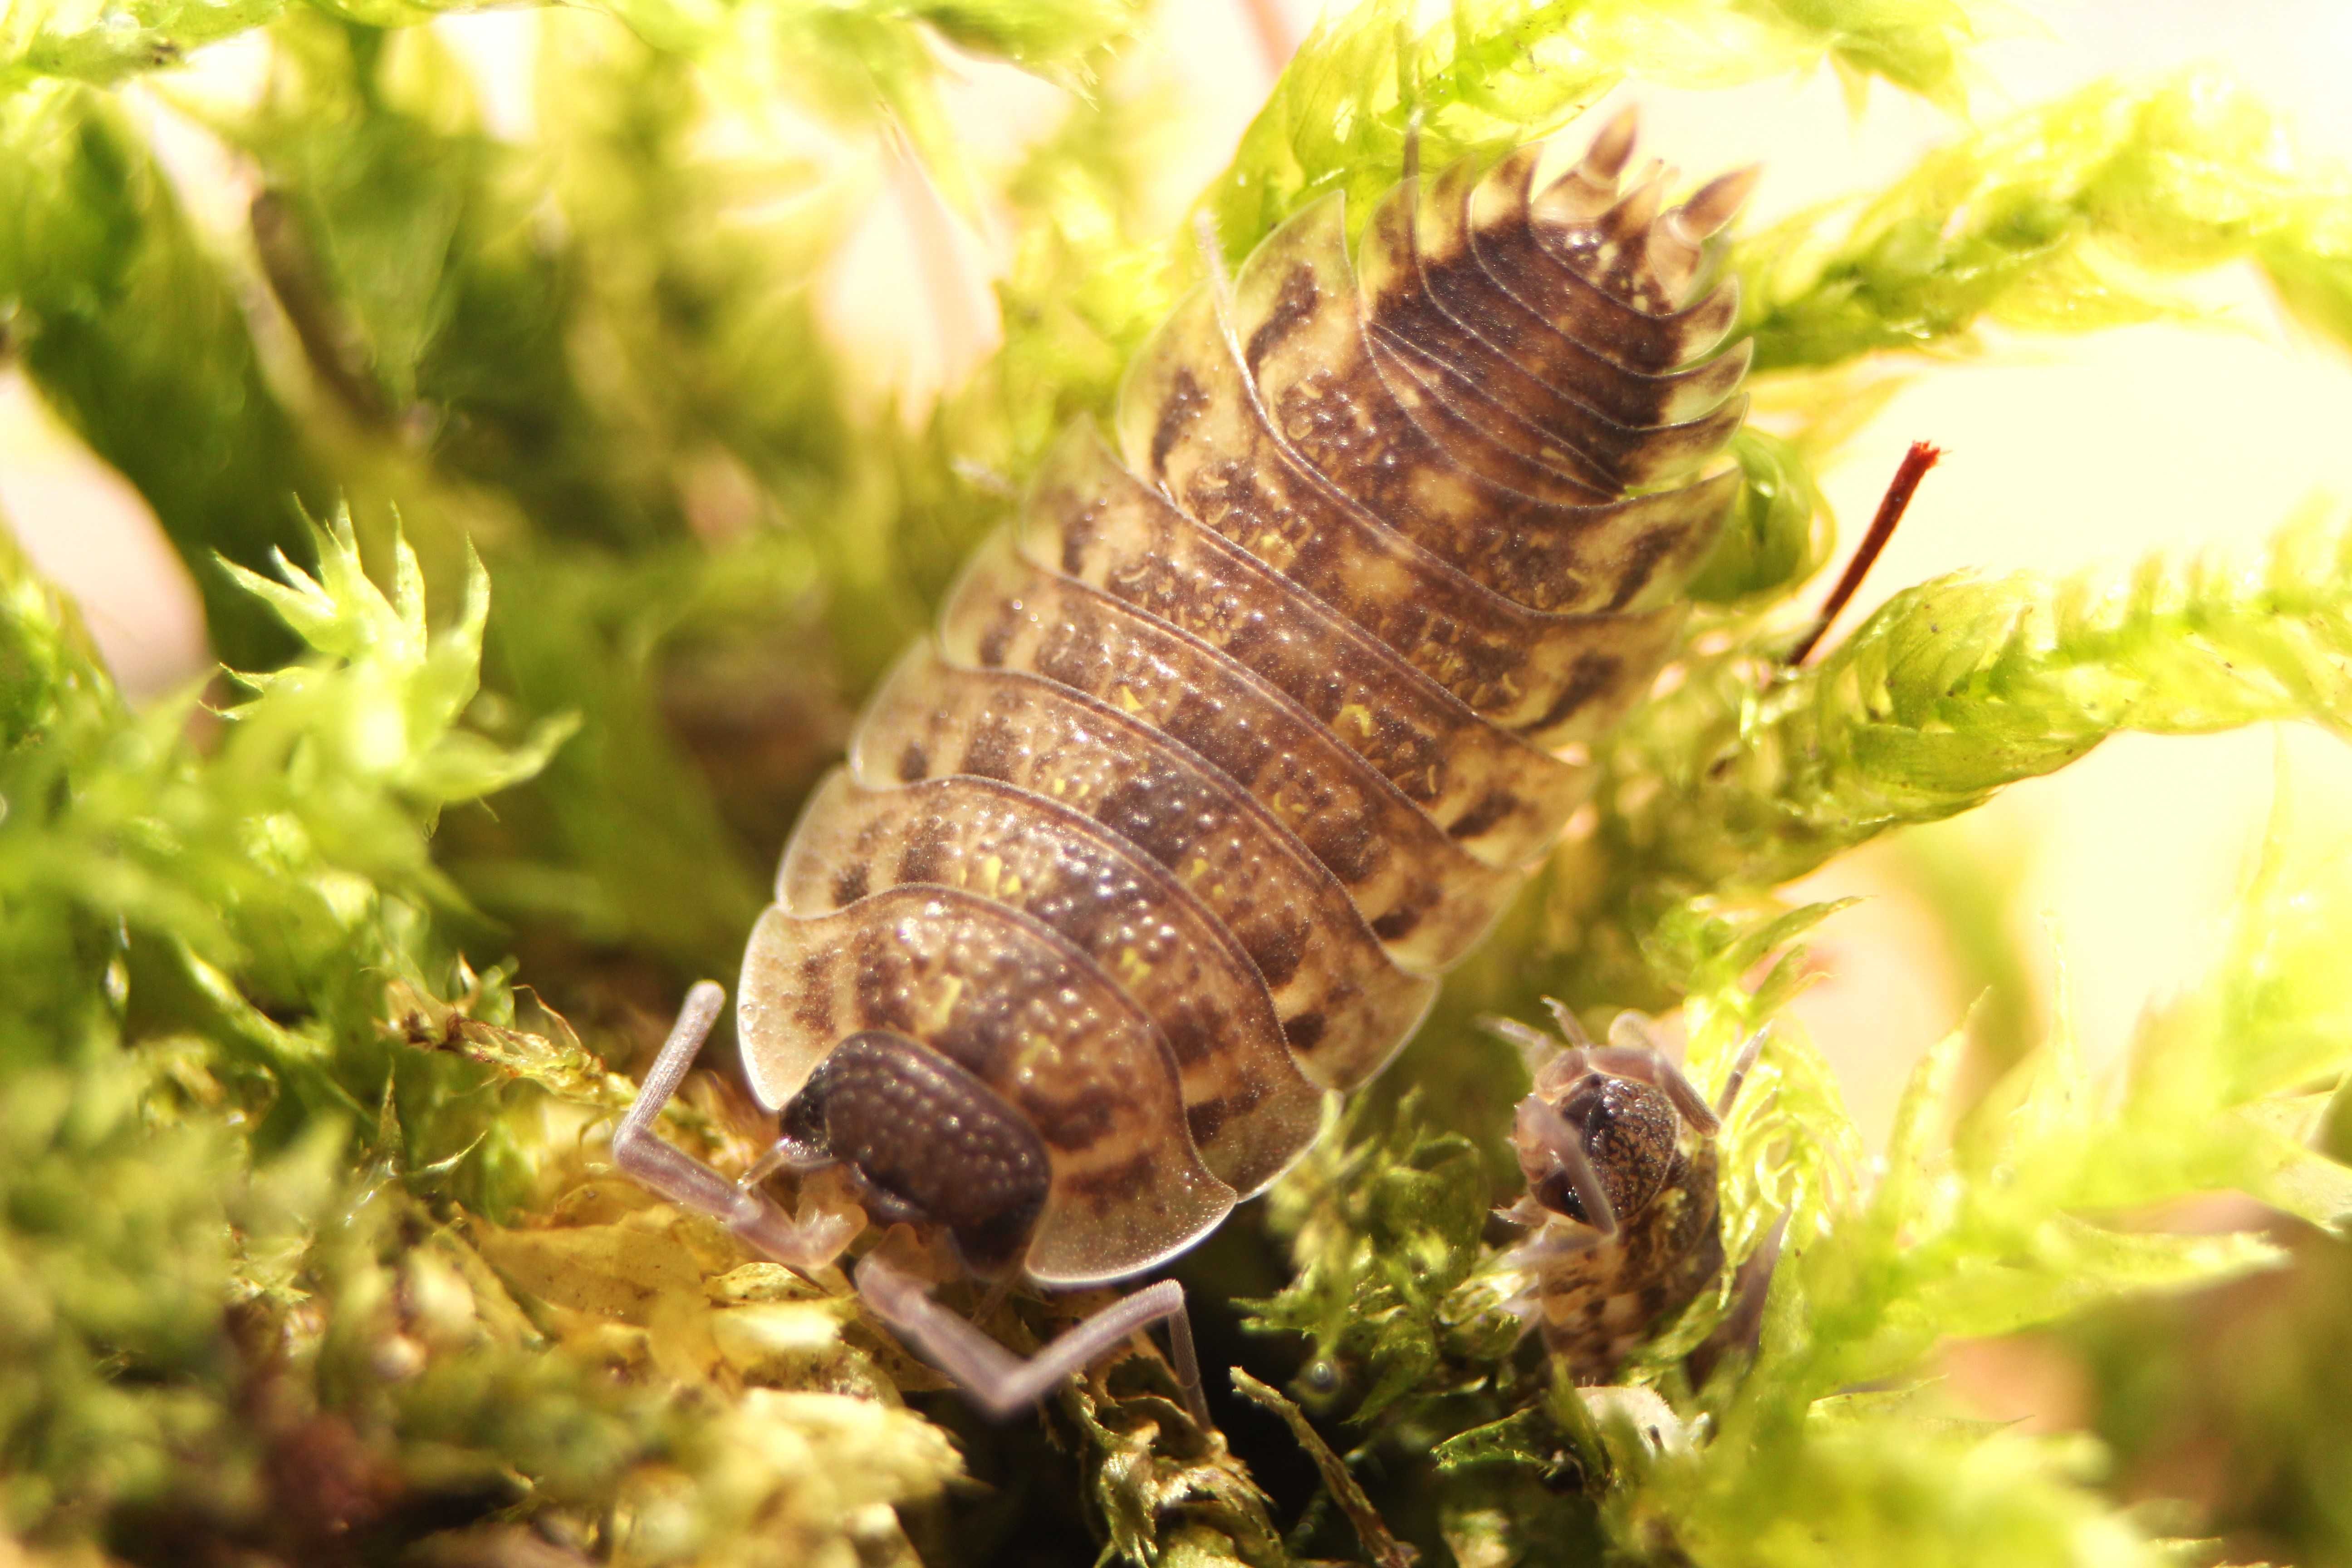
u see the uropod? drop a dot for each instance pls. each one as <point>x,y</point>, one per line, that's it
<point>1243,732</point>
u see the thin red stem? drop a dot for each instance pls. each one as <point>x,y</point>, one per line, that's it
<point>1891,507</point>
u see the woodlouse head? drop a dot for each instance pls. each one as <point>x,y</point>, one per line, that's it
<point>1623,1111</point>
<point>1629,1133</point>
<point>926,1142</point>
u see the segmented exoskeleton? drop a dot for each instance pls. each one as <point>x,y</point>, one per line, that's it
<point>1243,732</point>
<point>1622,1206</point>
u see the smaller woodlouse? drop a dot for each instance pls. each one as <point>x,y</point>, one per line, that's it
<point>1618,1149</point>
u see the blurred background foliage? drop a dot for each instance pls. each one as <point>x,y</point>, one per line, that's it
<point>312,1254</point>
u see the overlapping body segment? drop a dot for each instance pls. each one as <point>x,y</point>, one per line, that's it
<point>1029,1017</point>
<point>1428,897</point>
<point>1622,1206</point>
<point>1597,1302</point>
<point>1247,1105</point>
<point>1244,732</point>
<point>1502,798</point>
<point>1343,997</point>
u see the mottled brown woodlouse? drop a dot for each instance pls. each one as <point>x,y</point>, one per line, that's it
<point>1623,1205</point>
<point>1236,740</point>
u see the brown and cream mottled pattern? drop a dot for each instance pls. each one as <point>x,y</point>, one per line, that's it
<point>1030,1017</point>
<point>1093,520</point>
<point>1246,1103</point>
<point>1247,728</point>
<point>1595,1308</point>
<point>1429,897</point>
<point>1341,995</point>
<point>1616,1128</point>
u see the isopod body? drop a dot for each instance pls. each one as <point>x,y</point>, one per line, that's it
<point>1253,722</point>
<point>1622,1205</point>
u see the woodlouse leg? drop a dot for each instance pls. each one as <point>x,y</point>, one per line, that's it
<point>1742,1328</point>
<point>686,1181</point>
<point>1570,1029</point>
<point>1001,1383</point>
<point>1739,1070</point>
<point>1536,1048</point>
<point>1542,1126</point>
<point>1551,1246</point>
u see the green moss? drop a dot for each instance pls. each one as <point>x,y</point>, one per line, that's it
<point>307,1249</point>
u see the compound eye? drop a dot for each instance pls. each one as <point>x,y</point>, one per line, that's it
<point>1320,1383</point>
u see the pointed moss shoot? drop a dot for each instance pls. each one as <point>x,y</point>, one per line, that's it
<point>324,985</point>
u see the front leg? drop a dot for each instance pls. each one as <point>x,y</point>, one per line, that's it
<point>687,1181</point>
<point>1001,1383</point>
<point>1634,1052</point>
<point>1540,1128</point>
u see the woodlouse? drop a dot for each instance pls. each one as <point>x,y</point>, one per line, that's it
<point>1235,740</point>
<point>1622,1205</point>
